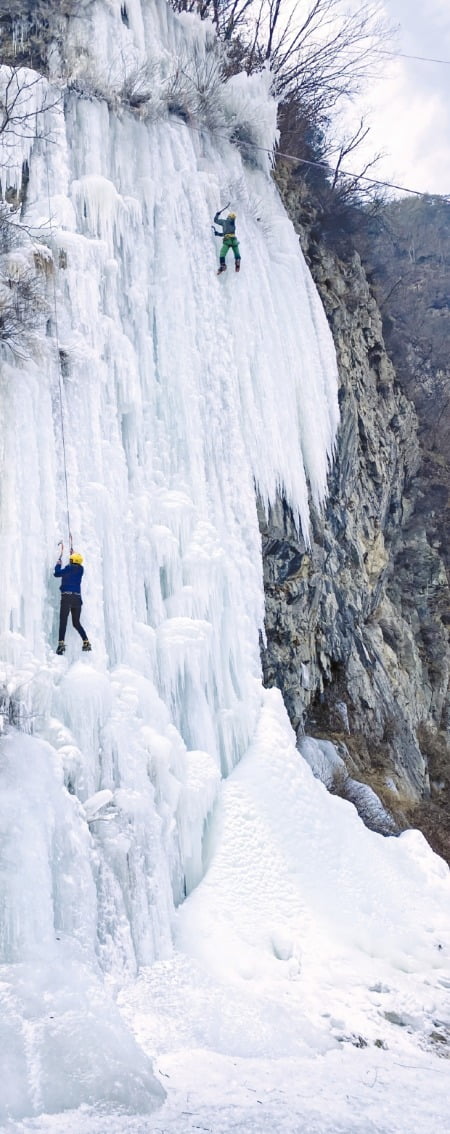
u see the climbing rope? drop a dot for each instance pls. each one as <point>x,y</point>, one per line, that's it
<point>61,409</point>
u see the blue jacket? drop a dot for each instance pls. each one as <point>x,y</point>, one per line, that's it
<point>71,577</point>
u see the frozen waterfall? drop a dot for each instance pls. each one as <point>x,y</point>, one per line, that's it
<point>180,394</point>
<point>169,866</point>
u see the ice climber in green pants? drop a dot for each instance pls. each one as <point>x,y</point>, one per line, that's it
<point>229,240</point>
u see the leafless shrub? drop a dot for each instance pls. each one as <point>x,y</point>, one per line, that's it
<point>21,307</point>
<point>322,49</point>
<point>25,97</point>
<point>139,85</point>
<point>10,230</point>
<point>13,711</point>
<point>23,267</point>
<point>189,89</point>
<point>133,86</point>
<point>90,84</point>
<point>319,53</point>
<point>347,202</point>
<point>192,89</point>
<point>10,711</point>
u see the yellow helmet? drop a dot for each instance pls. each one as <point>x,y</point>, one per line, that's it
<point>76,557</point>
<point>231,216</point>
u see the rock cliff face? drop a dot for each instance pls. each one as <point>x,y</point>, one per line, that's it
<point>357,623</point>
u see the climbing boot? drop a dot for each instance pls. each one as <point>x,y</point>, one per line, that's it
<point>237,265</point>
<point>222,267</point>
<point>86,646</point>
<point>60,649</point>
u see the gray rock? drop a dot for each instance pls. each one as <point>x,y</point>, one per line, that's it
<point>356,624</point>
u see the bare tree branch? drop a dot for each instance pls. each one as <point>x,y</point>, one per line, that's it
<point>318,48</point>
<point>22,265</point>
<point>25,98</point>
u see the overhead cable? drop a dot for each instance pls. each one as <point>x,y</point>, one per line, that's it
<point>324,165</point>
<point>420,58</point>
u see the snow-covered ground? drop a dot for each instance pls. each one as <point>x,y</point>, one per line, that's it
<point>184,908</point>
<point>309,987</point>
<point>348,1091</point>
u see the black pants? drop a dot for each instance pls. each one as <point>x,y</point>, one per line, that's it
<point>70,604</point>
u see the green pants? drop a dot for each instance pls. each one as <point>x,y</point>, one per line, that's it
<point>230,242</point>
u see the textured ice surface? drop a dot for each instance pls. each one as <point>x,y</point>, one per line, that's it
<point>172,394</point>
<point>156,768</point>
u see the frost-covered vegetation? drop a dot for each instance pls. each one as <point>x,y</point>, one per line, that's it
<point>193,86</point>
<point>23,264</point>
<point>25,99</point>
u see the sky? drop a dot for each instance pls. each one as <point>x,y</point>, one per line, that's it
<point>409,106</point>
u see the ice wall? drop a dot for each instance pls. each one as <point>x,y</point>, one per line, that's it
<point>176,396</point>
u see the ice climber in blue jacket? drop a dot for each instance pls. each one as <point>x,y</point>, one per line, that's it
<point>71,601</point>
